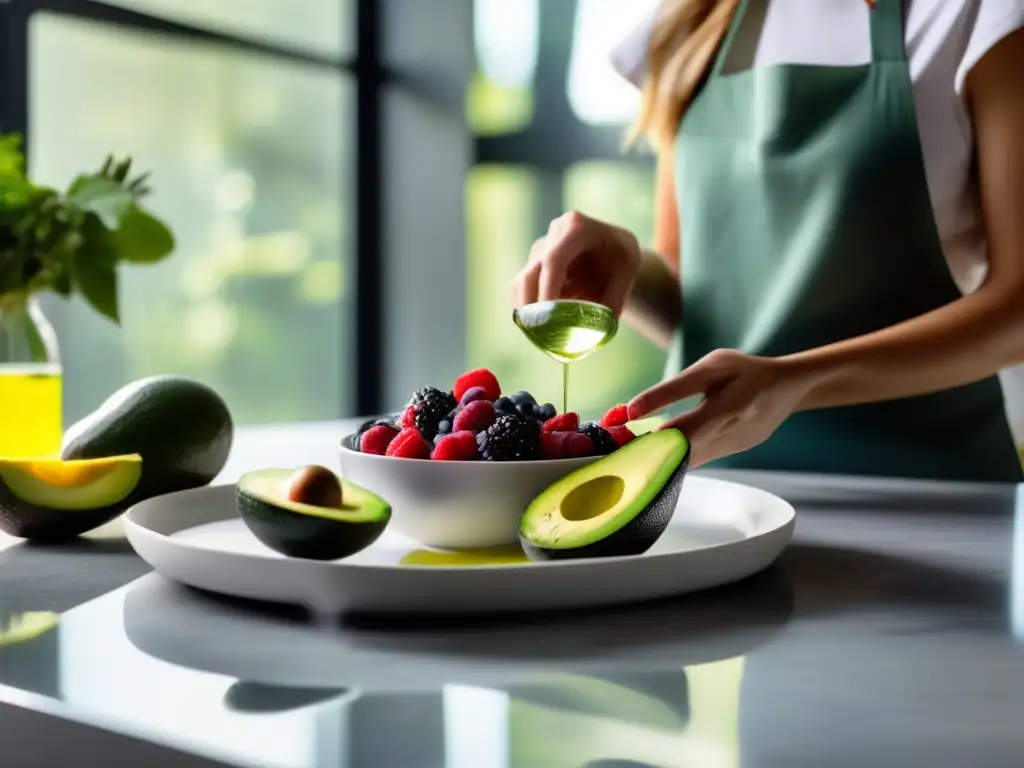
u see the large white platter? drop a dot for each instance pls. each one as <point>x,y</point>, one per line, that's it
<point>722,532</point>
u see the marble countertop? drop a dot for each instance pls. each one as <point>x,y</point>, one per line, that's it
<point>888,634</point>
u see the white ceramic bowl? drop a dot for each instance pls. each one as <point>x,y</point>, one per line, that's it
<point>454,504</point>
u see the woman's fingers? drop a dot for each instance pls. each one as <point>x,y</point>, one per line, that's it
<point>564,246</point>
<point>527,284</point>
<point>698,379</point>
<point>617,290</point>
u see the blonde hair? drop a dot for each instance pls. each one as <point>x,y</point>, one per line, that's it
<point>686,36</point>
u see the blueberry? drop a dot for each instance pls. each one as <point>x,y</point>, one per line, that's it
<point>547,411</point>
<point>526,409</point>
<point>472,394</point>
<point>522,396</point>
<point>504,405</point>
<point>444,428</point>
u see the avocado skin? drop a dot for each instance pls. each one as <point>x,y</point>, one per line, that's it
<point>634,538</point>
<point>182,429</point>
<point>297,535</point>
<point>26,520</point>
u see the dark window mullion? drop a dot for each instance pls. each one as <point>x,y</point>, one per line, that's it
<point>14,68</point>
<point>369,293</point>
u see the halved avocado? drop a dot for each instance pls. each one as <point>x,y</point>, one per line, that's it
<point>619,505</point>
<point>51,499</point>
<point>325,530</point>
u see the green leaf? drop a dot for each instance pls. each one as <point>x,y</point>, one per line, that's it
<point>96,280</point>
<point>12,161</point>
<point>106,198</point>
<point>95,269</point>
<point>142,238</point>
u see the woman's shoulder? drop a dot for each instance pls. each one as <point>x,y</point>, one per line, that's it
<point>959,33</point>
<point>629,54</point>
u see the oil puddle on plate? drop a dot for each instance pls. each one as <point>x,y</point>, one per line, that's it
<point>449,558</point>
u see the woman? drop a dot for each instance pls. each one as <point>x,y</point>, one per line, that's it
<point>838,265</point>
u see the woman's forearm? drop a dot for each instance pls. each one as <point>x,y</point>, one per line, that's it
<point>655,306</point>
<point>963,342</point>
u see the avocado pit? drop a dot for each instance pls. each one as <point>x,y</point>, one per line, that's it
<point>314,485</point>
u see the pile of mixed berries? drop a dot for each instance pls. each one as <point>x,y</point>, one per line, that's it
<point>474,421</point>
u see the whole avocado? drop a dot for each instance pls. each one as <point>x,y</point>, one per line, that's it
<point>182,429</point>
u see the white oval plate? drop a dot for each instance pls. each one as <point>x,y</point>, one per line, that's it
<point>721,532</point>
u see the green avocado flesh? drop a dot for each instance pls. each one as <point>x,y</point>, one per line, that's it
<point>305,530</point>
<point>54,499</point>
<point>181,428</point>
<point>617,506</point>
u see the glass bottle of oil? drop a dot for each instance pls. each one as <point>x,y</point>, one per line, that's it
<point>567,330</point>
<point>31,404</point>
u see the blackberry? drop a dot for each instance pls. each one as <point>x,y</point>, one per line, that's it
<point>430,407</point>
<point>509,438</point>
<point>603,442</point>
<point>369,425</point>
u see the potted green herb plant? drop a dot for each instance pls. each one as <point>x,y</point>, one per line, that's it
<point>68,243</point>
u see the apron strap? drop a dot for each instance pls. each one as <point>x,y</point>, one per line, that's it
<point>730,36</point>
<point>887,31</point>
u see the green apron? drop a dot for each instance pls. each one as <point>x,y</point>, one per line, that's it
<point>806,219</point>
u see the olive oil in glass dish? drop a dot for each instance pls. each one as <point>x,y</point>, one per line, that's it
<point>566,330</point>
<point>31,408</point>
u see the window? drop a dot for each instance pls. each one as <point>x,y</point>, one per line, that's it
<point>549,115</point>
<point>248,122</point>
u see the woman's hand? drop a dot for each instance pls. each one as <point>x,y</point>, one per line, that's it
<point>746,399</point>
<point>580,258</point>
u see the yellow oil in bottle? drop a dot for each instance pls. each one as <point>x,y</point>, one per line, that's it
<point>31,410</point>
<point>566,330</point>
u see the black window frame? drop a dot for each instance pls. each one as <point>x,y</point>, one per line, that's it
<point>411,140</point>
<point>366,70</point>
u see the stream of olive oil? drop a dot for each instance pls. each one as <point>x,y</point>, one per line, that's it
<point>31,413</point>
<point>567,331</point>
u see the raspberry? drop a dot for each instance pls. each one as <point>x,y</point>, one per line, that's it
<point>367,425</point>
<point>621,435</point>
<point>409,444</point>
<point>408,418</point>
<point>565,445</point>
<point>563,422</point>
<point>603,442</point>
<point>376,439</point>
<point>475,417</point>
<point>458,446</point>
<point>616,417</point>
<point>430,407</point>
<point>479,377</point>
<point>509,438</point>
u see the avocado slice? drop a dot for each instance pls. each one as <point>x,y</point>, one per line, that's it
<point>51,499</point>
<point>266,501</point>
<point>619,505</point>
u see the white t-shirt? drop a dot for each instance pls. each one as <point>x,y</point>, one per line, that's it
<point>944,40</point>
